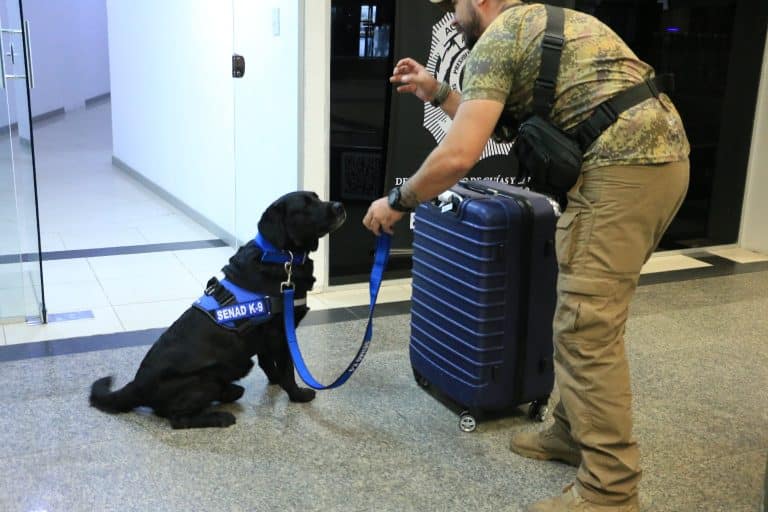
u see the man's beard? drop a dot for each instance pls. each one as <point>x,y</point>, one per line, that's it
<point>472,31</point>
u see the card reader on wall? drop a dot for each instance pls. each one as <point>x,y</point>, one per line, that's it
<point>238,66</point>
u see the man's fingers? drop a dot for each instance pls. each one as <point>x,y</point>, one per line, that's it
<point>407,61</point>
<point>402,78</point>
<point>407,88</point>
<point>370,223</point>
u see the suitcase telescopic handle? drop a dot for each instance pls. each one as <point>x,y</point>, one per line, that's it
<point>482,188</point>
<point>479,187</point>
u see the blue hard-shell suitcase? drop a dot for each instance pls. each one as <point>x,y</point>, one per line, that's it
<point>484,293</point>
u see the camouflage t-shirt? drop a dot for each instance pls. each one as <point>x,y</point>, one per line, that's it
<point>595,65</point>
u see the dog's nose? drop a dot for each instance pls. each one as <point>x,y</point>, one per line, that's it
<point>337,209</point>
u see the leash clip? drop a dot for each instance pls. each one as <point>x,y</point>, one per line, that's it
<point>288,270</point>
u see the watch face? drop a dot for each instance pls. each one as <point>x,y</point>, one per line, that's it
<point>394,197</point>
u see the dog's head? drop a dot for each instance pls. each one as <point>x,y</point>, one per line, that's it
<point>297,221</point>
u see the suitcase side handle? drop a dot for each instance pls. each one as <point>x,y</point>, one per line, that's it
<point>449,201</point>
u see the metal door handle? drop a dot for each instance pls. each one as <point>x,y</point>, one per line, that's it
<point>28,54</point>
<point>3,83</point>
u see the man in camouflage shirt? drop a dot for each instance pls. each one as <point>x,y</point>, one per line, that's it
<point>633,179</point>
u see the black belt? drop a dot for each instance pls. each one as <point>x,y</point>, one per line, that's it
<point>608,111</point>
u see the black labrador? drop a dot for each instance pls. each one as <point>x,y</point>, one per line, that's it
<point>195,362</point>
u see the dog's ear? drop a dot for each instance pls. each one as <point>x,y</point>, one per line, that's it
<point>272,224</point>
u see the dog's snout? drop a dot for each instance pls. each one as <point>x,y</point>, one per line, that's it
<point>338,216</point>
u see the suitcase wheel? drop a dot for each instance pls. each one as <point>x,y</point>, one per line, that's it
<point>538,410</point>
<point>421,381</point>
<point>467,422</point>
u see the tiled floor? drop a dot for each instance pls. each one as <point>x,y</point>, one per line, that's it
<point>699,367</point>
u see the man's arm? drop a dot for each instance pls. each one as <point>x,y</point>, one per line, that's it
<point>445,165</point>
<point>451,103</point>
<point>457,153</point>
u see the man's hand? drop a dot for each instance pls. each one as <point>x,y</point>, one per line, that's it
<point>415,79</point>
<point>381,217</point>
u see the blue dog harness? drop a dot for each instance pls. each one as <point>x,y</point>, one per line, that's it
<point>228,304</point>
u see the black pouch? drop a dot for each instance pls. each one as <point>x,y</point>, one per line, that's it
<point>549,159</point>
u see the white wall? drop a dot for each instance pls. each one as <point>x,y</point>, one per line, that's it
<point>754,221</point>
<point>172,100</point>
<point>68,39</point>
<point>224,147</point>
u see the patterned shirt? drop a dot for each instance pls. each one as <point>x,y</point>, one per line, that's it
<point>595,65</point>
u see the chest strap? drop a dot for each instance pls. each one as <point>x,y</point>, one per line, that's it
<point>236,308</point>
<point>608,111</point>
<point>551,50</point>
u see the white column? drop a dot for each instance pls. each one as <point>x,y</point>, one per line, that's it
<point>754,219</point>
<point>316,116</point>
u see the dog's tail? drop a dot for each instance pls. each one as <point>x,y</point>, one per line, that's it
<point>121,400</point>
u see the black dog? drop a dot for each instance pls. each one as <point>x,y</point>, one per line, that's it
<point>196,360</point>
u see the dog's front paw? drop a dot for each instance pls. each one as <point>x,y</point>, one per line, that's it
<point>302,395</point>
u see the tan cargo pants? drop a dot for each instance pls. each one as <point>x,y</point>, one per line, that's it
<point>613,223</point>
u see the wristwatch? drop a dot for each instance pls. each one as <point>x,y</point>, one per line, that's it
<point>443,91</point>
<point>393,198</point>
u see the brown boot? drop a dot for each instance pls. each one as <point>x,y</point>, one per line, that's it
<point>571,501</point>
<point>550,444</point>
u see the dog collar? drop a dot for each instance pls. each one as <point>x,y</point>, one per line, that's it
<point>271,254</point>
<point>228,304</point>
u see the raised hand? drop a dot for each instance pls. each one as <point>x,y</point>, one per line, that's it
<point>415,79</point>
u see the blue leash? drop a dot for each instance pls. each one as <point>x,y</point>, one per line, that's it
<point>382,254</point>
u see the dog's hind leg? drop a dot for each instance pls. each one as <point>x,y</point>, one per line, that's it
<point>188,408</point>
<point>231,393</point>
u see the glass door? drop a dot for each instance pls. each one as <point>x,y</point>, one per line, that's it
<point>21,291</point>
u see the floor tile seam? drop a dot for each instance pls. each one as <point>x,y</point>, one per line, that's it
<point>120,250</point>
<point>104,291</point>
<point>698,274</point>
<point>669,313</point>
<point>189,271</point>
<point>714,350</point>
